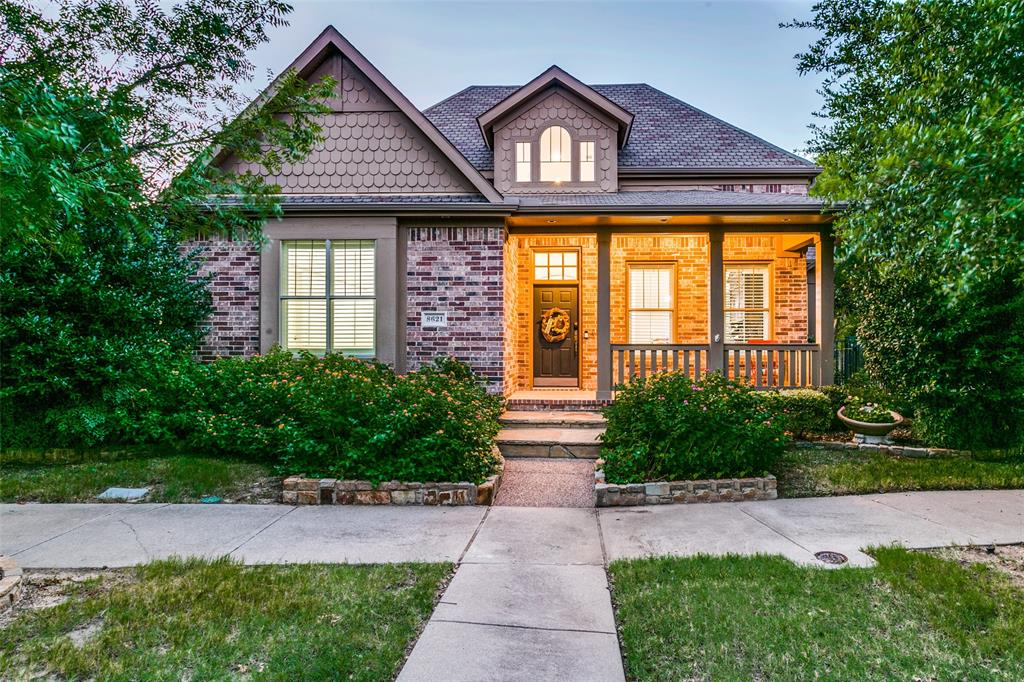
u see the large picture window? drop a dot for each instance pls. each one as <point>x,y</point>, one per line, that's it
<point>747,307</point>
<point>555,155</point>
<point>328,296</point>
<point>651,307</point>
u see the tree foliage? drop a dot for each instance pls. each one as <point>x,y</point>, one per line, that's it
<point>922,145</point>
<point>924,132</point>
<point>110,112</point>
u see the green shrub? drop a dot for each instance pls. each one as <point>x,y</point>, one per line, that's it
<point>959,362</point>
<point>81,329</point>
<point>342,417</point>
<point>836,398</point>
<point>672,428</point>
<point>800,411</point>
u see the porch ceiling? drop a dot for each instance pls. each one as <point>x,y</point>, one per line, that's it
<point>684,222</point>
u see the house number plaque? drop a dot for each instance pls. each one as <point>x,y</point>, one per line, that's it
<point>434,320</point>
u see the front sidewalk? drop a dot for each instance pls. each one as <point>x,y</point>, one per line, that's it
<point>97,535</point>
<point>529,600</point>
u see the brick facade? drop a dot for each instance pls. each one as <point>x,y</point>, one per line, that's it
<point>235,289</point>
<point>689,253</point>
<point>458,270</point>
<point>485,284</point>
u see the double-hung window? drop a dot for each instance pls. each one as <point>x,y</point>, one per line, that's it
<point>524,172</point>
<point>328,296</point>
<point>651,307</point>
<point>587,169</point>
<point>747,308</point>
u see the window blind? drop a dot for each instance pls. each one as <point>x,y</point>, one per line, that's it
<point>328,307</point>
<point>650,304</point>
<point>746,304</point>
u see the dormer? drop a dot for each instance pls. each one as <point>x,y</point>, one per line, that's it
<point>555,135</point>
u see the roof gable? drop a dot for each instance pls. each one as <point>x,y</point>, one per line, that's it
<point>553,77</point>
<point>381,141</point>
<point>667,133</point>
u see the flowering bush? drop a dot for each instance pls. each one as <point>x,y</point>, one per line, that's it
<point>672,428</point>
<point>862,411</point>
<point>346,418</point>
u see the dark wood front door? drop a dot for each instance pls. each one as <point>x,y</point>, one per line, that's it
<point>555,359</point>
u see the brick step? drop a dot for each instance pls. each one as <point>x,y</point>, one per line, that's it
<point>555,405</point>
<point>579,443</point>
<point>551,419</point>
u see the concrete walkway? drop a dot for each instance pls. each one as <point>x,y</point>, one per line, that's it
<point>529,600</point>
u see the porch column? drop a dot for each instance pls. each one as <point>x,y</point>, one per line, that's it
<point>824,293</point>
<point>716,302</point>
<point>604,301</point>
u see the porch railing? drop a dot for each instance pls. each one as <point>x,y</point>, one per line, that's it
<point>637,361</point>
<point>786,365</point>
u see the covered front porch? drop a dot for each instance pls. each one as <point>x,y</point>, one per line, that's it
<point>593,301</point>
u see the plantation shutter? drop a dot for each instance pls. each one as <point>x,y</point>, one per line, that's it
<point>650,304</point>
<point>328,296</point>
<point>746,304</point>
<point>354,304</point>
<point>304,295</point>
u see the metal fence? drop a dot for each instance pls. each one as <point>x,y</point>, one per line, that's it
<point>849,357</point>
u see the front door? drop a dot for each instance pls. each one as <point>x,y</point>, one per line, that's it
<point>555,335</point>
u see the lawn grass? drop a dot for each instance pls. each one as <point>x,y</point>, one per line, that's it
<point>215,620</point>
<point>78,476</point>
<point>809,472</point>
<point>913,617</point>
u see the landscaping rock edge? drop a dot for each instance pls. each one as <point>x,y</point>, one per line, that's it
<point>323,491</point>
<point>686,492</point>
<point>10,582</point>
<point>900,450</point>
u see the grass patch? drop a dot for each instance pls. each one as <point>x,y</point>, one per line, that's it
<point>808,472</point>
<point>212,620</point>
<point>914,616</point>
<point>78,476</point>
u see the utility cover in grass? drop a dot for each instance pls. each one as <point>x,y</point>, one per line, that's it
<point>123,494</point>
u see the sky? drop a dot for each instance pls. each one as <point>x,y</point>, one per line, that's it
<point>730,59</point>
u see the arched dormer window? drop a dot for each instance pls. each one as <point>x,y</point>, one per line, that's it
<point>555,155</point>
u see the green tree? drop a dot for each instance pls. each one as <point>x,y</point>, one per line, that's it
<point>109,115</point>
<point>922,142</point>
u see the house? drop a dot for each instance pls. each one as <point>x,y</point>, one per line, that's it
<point>559,237</point>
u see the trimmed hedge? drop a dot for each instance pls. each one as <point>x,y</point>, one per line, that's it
<point>331,416</point>
<point>670,427</point>
<point>801,410</point>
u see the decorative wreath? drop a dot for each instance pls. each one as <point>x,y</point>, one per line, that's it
<point>554,325</point>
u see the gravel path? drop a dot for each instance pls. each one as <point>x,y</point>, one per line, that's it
<point>547,483</point>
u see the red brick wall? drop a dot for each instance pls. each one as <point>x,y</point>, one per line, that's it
<point>235,289</point>
<point>789,278</point>
<point>458,270</point>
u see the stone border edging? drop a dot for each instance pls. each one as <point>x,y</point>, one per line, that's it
<point>901,450</point>
<point>10,582</point>
<point>685,492</point>
<point>325,491</point>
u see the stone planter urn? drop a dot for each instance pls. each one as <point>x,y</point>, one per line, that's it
<point>871,432</point>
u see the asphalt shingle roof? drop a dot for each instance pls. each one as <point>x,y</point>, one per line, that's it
<point>341,199</point>
<point>667,132</point>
